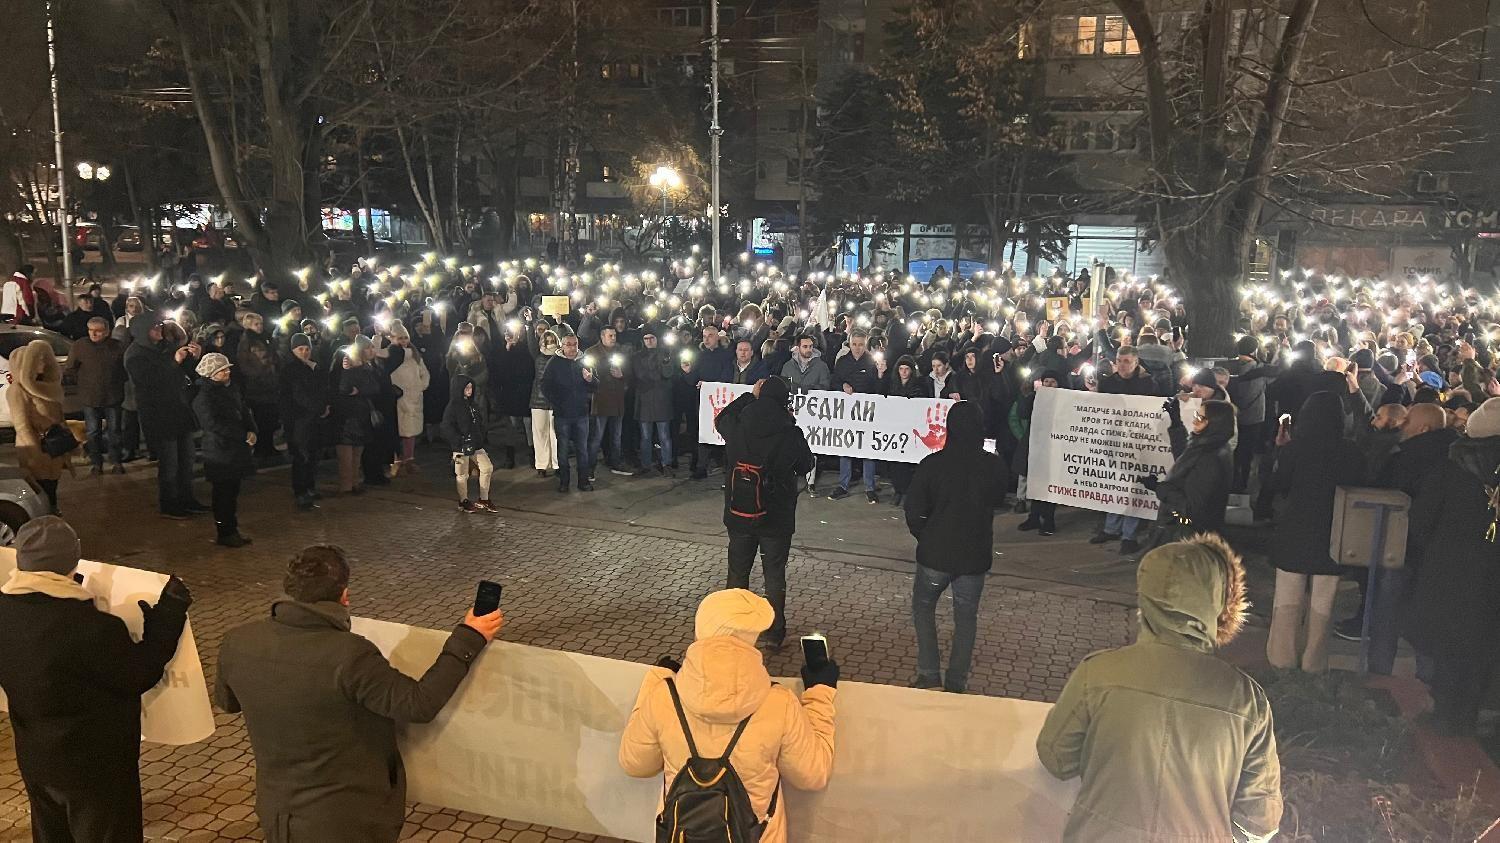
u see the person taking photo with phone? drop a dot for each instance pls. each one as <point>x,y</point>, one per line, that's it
<point>322,723</point>
<point>74,678</point>
<point>719,708</point>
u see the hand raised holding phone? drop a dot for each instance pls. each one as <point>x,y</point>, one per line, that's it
<point>486,618</point>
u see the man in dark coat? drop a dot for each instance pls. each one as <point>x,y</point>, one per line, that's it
<point>607,416</point>
<point>713,362</point>
<point>305,403</point>
<point>512,370</point>
<point>568,385</point>
<point>950,510</point>
<point>162,373</point>
<point>653,371</point>
<point>1455,608</point>
<point>759,432</point>
<point>74,679</point>
<point>98,363</point>
<point>857,372</point>
<point>321,705</point>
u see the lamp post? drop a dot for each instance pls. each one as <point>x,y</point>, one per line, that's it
<point>715,131</point>
<point>57,149</point>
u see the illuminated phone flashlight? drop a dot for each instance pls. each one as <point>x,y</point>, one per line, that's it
<point>880,357</point>
<point>588,360</point>
<point>750,324</point>
<point>671,339</point>
<point>513,326</point>
<point>911,325</point>
<point>383,321</point>
<point>332,322</point>
<point>1025,372</point>
<point>616,361</point>
<point>994,327</point>
<point>686,356</point>
<point>1088,370</point>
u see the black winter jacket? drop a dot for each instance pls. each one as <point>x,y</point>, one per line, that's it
<point>304,397</point>
<point>1317,461</point>
<point>463,421</point>
<point>950,503</point>
<point>75,679</point>
<point>764,433</point>
<point>860,374</point>
<point>161,383</point>
<point>225,421</point>
<point>1198,484</point>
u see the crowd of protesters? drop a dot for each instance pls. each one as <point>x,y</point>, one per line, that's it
<point>565,370</point>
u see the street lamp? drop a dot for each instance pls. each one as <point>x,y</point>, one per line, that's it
<point>664,179</point>
<point>57,149</point>
<point>89,171</point>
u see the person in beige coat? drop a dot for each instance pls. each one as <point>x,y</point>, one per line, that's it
<point>722,681</point>
<point>35,399</point>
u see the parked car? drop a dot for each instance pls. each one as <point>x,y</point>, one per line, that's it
<point>13,337</point>
<point>88,236</point>
<point>129,239</point>
<point>19,502</point>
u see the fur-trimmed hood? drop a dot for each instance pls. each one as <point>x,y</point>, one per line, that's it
<point>1192,593</point>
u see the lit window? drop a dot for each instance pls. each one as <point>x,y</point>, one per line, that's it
<point>1119,39</point>
<point>1093,35</point>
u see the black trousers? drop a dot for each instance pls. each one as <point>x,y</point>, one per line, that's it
<point>304,466</point>
<point>267,419</point>
<point>103,811</point>
<point>773,555</point>
<point>1043,513</point>
<point>226,503</point>
<point>1252,442</point>
<point>174,471</point>
<point>1459,685</point>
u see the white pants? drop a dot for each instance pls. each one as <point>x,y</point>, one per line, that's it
<point>478,461</point>
<point>1286,618</point>
<point>543,440</point>
<point>1021,488</point>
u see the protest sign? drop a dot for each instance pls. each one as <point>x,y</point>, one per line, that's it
<point>837,424</point>
<point>1088,450</point>
<point>533,735</point>
<point>556,306</point>
<point>177,710</point>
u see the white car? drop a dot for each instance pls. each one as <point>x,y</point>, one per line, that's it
<point>13,337</point>
<point>19,502</point>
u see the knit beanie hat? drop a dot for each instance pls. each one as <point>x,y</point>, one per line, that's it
<point>300,340</point>
<point>289,305</point>
<point>1432,379</point>
<point>1363,359</point>
<point>1483,422</point>
<point>48,543</point>
<point>212,364</point>
<point>735,612</point>
<point>775,390</point>
<point>1205,377</point>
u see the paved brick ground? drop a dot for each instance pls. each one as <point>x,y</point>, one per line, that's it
<point>596,589</point>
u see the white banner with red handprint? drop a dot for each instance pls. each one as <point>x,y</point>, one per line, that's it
<point>1090,450</point>
<point>872,427</point>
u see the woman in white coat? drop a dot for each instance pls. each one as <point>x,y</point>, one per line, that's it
<point>412,378</point>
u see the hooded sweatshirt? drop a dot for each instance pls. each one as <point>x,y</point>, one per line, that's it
<point>463,423</point>
<point>761,432</point>
<point>1172,742</point>
<point>723,681</point>
<point>950,503</point>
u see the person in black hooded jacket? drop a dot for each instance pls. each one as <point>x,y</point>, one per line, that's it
<point>950,510</point>
<point>1197,487</point>
<point>161,372</point>
<point>465,430</point>
<point>229,432</point>
<point>759,431</point>
<point>1454,615</point>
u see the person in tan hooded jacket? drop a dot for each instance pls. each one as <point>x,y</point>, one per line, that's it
<point>35,400</point>
<point>1172,742</point>
<point>722,681</point>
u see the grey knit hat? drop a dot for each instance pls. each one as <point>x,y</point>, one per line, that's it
<point>47,543</point>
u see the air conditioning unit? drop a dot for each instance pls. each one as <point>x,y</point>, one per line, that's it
<point>1431,183</point>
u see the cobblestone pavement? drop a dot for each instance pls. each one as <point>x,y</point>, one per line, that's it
<point>570,583</point>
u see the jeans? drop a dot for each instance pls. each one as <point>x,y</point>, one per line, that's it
<point>1121,525</point>
<point>773,555</point>
<point>598,427</point>
<point>480,462</point>
<point>846,473</point>
<point>572,440</point>
<point>103,426</point>
<point>927,586</point>
<point>226,504</point>
<point>267,419</point>
<point>174,472</point>
<point>663,438</point>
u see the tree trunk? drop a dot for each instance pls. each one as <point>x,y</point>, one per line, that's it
<point>1212,257</point>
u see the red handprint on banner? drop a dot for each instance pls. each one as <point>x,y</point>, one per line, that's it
<point>718,399</point>
<point>937,428</point>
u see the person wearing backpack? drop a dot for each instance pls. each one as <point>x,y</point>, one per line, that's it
<point>765,453</point>
<point>720,717</point>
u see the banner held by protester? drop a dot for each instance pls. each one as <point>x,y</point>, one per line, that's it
<point>838,424</point>
<point>177,710</point>
<point>1090,450</point>
<point>533,735</point>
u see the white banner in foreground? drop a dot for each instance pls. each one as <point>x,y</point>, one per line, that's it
<point>1088,450</point>
<point>872,427</point>
<point>177,710</point>
<point>533,735</point>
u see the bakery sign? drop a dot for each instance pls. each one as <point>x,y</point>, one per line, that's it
<point>1469,219</point>
<point>1376,217</point>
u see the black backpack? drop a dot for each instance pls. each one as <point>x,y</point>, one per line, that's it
<point>750,487</point>
<point>707,802</point>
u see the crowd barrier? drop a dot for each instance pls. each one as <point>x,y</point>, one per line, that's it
<point>533,735</point>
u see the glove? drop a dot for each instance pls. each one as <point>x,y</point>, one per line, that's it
<point>1148,480</point>
<point>175,598</point>
<point>669,663</point>
<point>1171,407</point>
<point>824,674</point>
